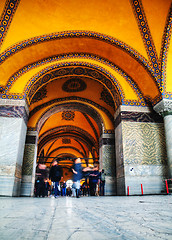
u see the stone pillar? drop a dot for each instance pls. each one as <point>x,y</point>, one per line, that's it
<point>164,108</point>
<point>120,176</point>
<point>140,151</point>
<point>107,162</point>
<point>13,126</point>
<point>29,164</point>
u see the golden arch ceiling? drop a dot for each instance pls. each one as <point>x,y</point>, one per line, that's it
<point>55,54</point>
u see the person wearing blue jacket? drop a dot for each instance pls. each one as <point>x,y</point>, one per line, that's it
<point>77,175</point>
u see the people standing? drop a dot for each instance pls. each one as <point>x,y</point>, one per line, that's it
<point>55,176</point>
<point>77,175</point>
<point>41,176</point>
<point>93,180</point>
<point>64,189</point>
<point>102,182</point>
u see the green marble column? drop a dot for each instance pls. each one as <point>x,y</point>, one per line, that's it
<point>107,162</point>
<point>29,164</point>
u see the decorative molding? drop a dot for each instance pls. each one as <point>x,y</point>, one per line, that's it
<point>6,17</point>
<point>76,34</point>
<point>151,117</point>
<point>163,107</point>
<point>164,53</point>
<point>74,70</point>
<point>14,112</point>
<point>147,38</point>
<point>67,99</point>
<point>72,106</point>
<point>65,147</point>
<point>12,102</point>
<point>81,34</point>
<point>67,131</point>
<point>123,108</point>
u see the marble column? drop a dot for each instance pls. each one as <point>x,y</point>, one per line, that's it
<point>13,126</point>
<point>107,162</point>
<point>29,164</point>
<point>164,108</point>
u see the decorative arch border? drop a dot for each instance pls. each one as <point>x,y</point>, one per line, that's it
<point>75,34</point>
<point>70,56</point>
<point>73,106</point>
<point>51,145</point>
<point>6,17</point>
<point>76,69</point>
<point>164,54</point>
<point>58,100</point>
<point>64,134</point>
<point>65,147</point>
<point>64,131</point>
<point>147,38</point>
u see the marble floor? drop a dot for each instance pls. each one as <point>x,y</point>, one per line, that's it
<point>86,218</point>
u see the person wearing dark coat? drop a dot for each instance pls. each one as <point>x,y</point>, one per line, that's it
<point>41,176</point>
<point>93,180</point>
<point>55,176</point>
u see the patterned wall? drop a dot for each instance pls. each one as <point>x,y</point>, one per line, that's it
<point>144,143</point>
<point>28,159</point>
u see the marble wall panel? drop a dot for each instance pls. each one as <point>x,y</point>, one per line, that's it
<point>110,186</point>
<point>150,184</point>
<point>6,185</point>
<point>144,143</point>
<point>12,141</point>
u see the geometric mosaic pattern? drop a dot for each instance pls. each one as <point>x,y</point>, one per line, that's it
<point>68,115</point>
<point>144,143</point>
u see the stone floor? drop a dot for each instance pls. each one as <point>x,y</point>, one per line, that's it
<point>86,218</point>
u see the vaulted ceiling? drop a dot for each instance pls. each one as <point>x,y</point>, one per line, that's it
<point>76,62</point>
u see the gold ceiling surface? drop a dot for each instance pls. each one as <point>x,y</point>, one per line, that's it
<point>76,62</point>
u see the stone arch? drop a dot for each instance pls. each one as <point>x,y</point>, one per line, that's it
<point>74,106</point>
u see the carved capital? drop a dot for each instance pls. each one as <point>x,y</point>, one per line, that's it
<point>164,107</point>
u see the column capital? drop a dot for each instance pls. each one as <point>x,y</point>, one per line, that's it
<point>164,107</point>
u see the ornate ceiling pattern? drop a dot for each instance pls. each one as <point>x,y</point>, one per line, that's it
<point>74,68</point>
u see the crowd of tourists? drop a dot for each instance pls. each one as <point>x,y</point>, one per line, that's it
<point>89,181</point>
